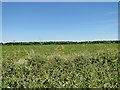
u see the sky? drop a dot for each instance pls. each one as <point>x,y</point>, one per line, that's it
<point>59,21</point>
<point>0,22</point>
<point>60,0</point>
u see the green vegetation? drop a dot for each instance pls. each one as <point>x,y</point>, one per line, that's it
<point>59,42</point>
<point>61,66</point>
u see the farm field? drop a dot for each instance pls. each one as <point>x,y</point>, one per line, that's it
<point>60,66</point>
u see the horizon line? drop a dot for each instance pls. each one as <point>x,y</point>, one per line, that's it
<point>59,41</point>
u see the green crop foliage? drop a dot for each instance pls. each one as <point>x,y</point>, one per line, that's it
<point>56,66</point>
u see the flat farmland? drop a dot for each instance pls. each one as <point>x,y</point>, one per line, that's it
<point>60,66</point>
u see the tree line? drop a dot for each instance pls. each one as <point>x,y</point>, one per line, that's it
<point>58,42</point>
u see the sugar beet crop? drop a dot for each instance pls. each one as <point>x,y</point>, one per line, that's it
<point>61,66</point>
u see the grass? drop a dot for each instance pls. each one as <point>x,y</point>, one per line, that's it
<point>60,66</point>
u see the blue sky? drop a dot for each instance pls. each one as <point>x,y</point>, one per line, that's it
<point>60,21</point>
